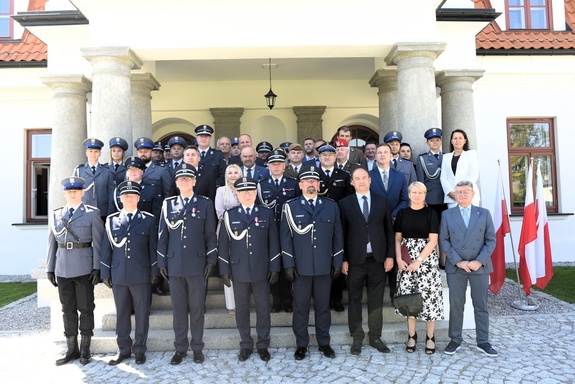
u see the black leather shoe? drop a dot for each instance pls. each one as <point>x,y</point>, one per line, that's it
<point>199,357</point>
<point>355,347</point>
<point>299,353</point>
<point>140,358</point>
<point>288,308</point>
<point>379,345</point>
<point>178,357</point>
<point>276,308</point>
<point>159,291</point>
<point>338,307</point>
<point>245,354</point>
<point>264,354</point>
<point>327,351</point>
<point>118,359</point>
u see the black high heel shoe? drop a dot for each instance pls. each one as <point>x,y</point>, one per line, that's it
<point>429,351</point>
<point>411,349</point>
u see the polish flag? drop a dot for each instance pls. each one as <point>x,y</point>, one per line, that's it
<point>528,258</point>
<point>544,262</point>
<point>502,228</point>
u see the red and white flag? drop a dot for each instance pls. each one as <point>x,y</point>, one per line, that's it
<point>544,262</point>
<point>502,228</point>
<point>528,257</point>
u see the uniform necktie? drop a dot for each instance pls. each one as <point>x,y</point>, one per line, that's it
<point>295,169</point>
<point>385,179</point>
<point>394,163</point>
<point>70,213</point>
<point>130,218</point>
<point>436,155</point>
<point>311,204</point>
<point>327,172</point>
<point>277,182</point>
<point>186,201</point>
<point>340,166</point>
<point>248,213</point>
<point>365,209</point>
<point>465,213</point>
<point>93,169</point>
<point>176,164</point>
<point>249,173</point>
<point>116,166</point>
<point>203,155</point>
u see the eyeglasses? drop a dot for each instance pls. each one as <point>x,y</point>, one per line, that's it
<point>466,192</point>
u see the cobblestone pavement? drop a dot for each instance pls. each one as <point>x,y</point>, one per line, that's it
<point>532,349</point>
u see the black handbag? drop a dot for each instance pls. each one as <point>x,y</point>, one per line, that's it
<point>409,304</point>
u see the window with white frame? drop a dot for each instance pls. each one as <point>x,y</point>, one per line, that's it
<point>38,146</point>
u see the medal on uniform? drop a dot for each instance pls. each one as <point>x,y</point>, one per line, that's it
<point>236,233</point>
<point>256,220</point>
<point>115,239</point>
<point>299,226</point>
<point>194,212</point>
<point>172,222</point>
<point>284,191</point>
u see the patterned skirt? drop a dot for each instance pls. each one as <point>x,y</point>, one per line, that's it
<point>426,280</point>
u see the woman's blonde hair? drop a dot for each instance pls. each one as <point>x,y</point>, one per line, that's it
<point>417,184</point>
<point>228,187</point>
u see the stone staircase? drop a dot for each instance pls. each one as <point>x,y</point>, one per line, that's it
<point>220,329</point>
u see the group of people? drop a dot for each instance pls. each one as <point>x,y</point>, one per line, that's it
<point>299,222</point>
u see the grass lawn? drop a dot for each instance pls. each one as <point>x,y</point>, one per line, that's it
<point>561,286</point>
<point>10,292</point>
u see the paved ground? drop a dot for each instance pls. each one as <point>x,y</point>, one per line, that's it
<point>532,349</point>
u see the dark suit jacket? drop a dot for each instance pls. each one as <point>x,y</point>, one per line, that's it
<point>132,263</point>
<point>258,172</point>
<point>357,156</point>
<point>336,186</point>
<point>356,230</point>
<point>211,174</point>
<point>476,242</point>
<point>249,259</point>
<point>396,194</point>
<point>238,161</point>
<point>187,237</point>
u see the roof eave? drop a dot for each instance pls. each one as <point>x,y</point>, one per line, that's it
<point>525,52</point>
<point>466,14</point>
<point>43,18</point>
<point>24,64</point>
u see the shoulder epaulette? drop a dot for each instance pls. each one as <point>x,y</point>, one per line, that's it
<point>81,165</point>
<point>90,208</point>
<point>114,214</point>
<point>328,199</point>
<point>147,213</point>
<point>204,197</point>
<point>292,199</point>
<point>104,165</point>
<point>57,209</point>
<point>171,198</point>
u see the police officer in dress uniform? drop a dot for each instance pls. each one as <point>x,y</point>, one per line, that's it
<point>263,149</point>
<point>158,153</point>
<point>150,198</point>
<point>99,182</point>
<point>335,184</point>
<point>187,254</point>
<point>273,192</point>
<point>312,251</point>
<point>212,166</point>
<point>73,265</point>
<point>393,139</point>
<point>129,267</point>
<point>155,175</point>
<point>118,148</point>
<point>249,254</point>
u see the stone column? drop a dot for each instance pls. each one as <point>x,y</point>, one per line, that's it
<point>457,110</point>
<point>309,122</point>
<point>226,122</point>
<point>385,80</point>
<point>111,92</point>
<point>416,94</point>
<point>142,86</point>
<point>68,130</point>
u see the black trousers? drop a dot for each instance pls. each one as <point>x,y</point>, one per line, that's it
<point>77,295</point>
<point>188,298</point>
<point>261,292</point>
<point>281,291</point>
<point>371,274</point>
<point>126,297</point>
<point>337,287</point>
<point>304,289</point>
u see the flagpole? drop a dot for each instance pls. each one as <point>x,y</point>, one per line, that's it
<point>524,303</point>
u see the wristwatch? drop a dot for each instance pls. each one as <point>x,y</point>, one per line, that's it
<point>419,259</point>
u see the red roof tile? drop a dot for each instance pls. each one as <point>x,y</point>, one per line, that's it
<point>493,38</point>
<point>29,48</point>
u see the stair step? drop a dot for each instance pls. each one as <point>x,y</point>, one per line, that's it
<point>281,337</point>
<point>220,318</point>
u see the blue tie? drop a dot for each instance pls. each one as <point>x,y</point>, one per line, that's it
<point>249,173</point>
<point>465,213</point>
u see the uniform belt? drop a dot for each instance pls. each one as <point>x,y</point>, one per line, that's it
<point>74,245</point>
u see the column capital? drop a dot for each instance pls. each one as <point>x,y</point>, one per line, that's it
<point>78,83</point>
<point>403,51</point>
<point>385,79</point>
<point>145,81</point>
<point>107,57</point>
<point>309,112</point>
<point>229,113</point>
<point>452,75</point>
<point>227,121</point>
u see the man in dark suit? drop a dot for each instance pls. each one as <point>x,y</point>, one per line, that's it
<point>312,251</point>
<point>99,182</point>
<point>243,141</point>
<point>249,167</point>
<point>335,184</point>
<point>73,265</point>
<point>467,236</point>
<point>187,254</point>
<point>212,166</point>
<point>355,155</point>
<point>368,256</point>
<point>249,254</point>
<point>387,182</point>
<point>341,157</point>
<point>130,270</point>
<point>273,192</point>
<point>393,139</point>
